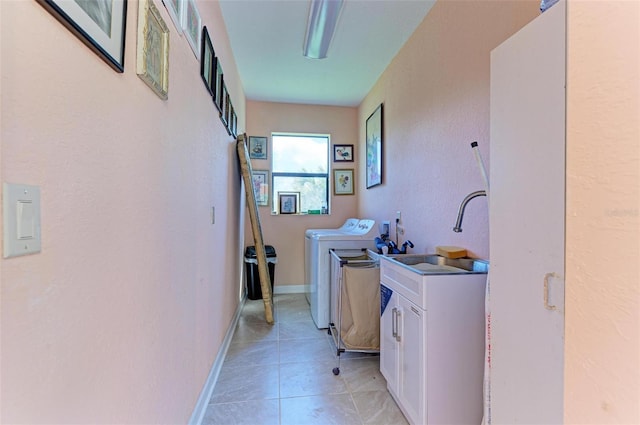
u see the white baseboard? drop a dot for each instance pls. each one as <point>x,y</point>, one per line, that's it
<point>288,289</point>
<point>205,395</point>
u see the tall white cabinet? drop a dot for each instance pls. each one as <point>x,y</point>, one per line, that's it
<point>527,213</point>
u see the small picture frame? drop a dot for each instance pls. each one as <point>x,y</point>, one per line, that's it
<point>102,31</point>
<point>174,7</point>
<point>207,62</point>
<point>258,147</point>
<point>227,113</point>
<point>217,92</point>
<point>191,24</point>
<point>152,64</point>
<point>288,202</point>
<point>224,104</point>
<point>234,123</point>
<point>374,143</point>
<point>343,182</point>
<point>342,153</point>
<point>261,187</point>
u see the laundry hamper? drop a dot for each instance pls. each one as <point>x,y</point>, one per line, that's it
<point>355,302</point>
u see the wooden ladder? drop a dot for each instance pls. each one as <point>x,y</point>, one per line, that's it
<point>254,216</point>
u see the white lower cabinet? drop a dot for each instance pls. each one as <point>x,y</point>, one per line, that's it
<point>403,329</point>
<point>432,354</point>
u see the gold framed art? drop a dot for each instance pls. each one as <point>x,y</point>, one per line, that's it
<point>152,64</point>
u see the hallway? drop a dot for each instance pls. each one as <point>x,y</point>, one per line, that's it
<point>281,374</point>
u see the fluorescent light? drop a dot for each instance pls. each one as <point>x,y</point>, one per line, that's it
<point>323,18</point>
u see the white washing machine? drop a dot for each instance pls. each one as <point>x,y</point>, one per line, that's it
<point>348,225</point>
<point>318,259</point>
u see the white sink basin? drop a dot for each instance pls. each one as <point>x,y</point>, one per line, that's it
<point>435,264</point>
<point>412,274</point>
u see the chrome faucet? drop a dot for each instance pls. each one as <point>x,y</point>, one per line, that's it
<point>463,205</point>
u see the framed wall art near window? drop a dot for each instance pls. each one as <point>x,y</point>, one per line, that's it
<point>375,132</point>
<point>261,187</point>
<point>342,153</point>
<point>257,147</point>
<point>152,64</point>
<point>343,182</point>
<point>288,202</point>
<point>174,7</point>
<point>99,24</point>
<point>207,62</point>
<point>191,24</point>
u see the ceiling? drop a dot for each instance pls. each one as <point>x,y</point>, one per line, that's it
<point>267,35</point>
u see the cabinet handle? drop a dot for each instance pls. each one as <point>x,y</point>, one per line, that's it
<point>398,314</point>
<point>547,276</point>
<point>394,315</point>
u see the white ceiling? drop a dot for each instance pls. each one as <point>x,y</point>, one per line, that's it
<point>266,38</point>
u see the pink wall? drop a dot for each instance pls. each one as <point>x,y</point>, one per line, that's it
<point>436,102</point>
<point>602,366</point>
<point>119,318</point>
<point>286,232</point>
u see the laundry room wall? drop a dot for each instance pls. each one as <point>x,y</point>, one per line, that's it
<point>286,232</point>
<point>436,102</point>
<point>120,316</point>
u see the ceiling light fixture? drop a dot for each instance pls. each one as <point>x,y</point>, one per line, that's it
<point>323,18</point>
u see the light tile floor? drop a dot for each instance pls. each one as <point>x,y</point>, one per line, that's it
<point>281,374</point>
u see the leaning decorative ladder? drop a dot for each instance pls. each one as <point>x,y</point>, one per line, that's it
<point>263,271</point>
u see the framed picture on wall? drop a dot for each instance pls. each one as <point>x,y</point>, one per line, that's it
<point>207,59</point>
<point>224,104</point>
<point>191,24</point>
<point>343,182</point>
<point>261,187</point>
<point>174,7</point>
<point>257,147</point>
<point>99,24</point>
<point>227,112</point>
<point>374,142</point>
<point>288,202</point>
<point>230,118</point>
<point>217,91</point>
<point>342,153</point>
<point>234,123</point>
<point>152,64</point>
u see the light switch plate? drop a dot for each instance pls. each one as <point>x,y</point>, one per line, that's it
<point>21,219</point>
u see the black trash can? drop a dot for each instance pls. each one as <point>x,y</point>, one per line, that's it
<point>254,291</point>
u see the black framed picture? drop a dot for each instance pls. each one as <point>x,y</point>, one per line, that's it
<point>217,90</point>
<point>374,147</point>
<point>218,98</point>
<point>99,24</point>
<point>342,153</point>
<point>224,104</point>
<point>207,61</point>
<point>288,202</point>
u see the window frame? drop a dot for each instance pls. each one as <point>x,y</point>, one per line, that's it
<point>275,174</point>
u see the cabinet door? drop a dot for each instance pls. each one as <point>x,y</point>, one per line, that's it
<point>527,223</point>
<point>388,341</point>
<point>412,359</point>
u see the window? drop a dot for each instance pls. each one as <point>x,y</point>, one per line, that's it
<point>300,163</point>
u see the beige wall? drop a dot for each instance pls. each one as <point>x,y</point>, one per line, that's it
<point>286,232</point>
<point>602,367</point>
<point>436,102</point>
<point>119,318</point>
